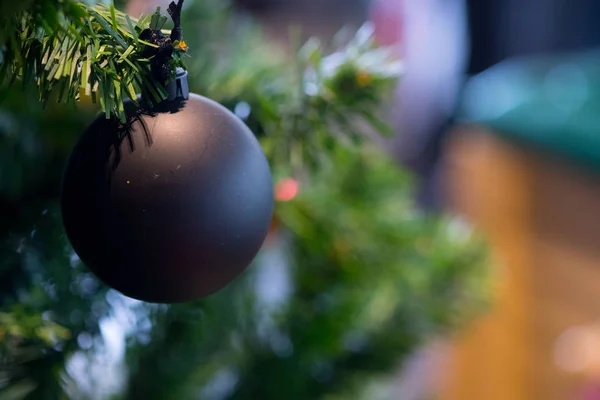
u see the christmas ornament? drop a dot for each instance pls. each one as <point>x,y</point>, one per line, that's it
<point>172,205</point>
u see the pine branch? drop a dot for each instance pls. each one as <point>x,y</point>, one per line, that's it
<point>342,94</point>
<point>93,51</point>
<point>324,100</point>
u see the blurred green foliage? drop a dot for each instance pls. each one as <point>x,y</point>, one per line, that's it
<point>371,278</point>
<point>364,275</point>
<point>45,13</point>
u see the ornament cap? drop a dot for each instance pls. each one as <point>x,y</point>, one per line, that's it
<point>177,87</point>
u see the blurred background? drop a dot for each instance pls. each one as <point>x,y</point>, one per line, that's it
<point>374,282</point>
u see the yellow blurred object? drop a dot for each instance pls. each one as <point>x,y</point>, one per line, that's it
<point>182,46</point>
<point>363,78</point>
<point>541,218</point>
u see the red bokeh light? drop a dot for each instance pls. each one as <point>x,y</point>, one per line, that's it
<point>286,189</point>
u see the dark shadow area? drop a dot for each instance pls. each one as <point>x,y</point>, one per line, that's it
<point>137,114</point>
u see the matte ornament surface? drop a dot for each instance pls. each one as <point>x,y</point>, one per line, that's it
<point>172,207</point>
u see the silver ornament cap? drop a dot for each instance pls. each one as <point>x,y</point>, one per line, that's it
<point>178,88</point>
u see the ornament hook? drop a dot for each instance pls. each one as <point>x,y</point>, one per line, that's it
<point>164,47</point>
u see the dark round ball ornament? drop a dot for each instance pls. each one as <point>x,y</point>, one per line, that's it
<point>171,206</point>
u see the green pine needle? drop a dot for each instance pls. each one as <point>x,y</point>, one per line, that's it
<point>99,52</point>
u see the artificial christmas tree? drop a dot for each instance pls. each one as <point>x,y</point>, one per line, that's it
<point>353,279</point>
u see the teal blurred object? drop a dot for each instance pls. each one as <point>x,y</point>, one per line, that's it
<point>548,102</point>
